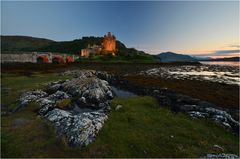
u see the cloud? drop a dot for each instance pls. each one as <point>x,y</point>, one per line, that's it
<point>235,46</point>
<point>202,55</point>
<point>233,52</point>
<point>223,52</point>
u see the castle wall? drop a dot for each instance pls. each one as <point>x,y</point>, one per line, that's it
<point>84,53</point>
<point>109,44</point>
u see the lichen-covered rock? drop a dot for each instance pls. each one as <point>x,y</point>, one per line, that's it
<point>92,97</point>
<point>87,90</point>
<point>80,73</point>
<point>59,95</point>
<point>196,114</point>
<point>54,86</point>
<point>219,116</point>
<point>28,97</point>
<point>222,155</point>
<point>90,91</point>
<point>80,129</point>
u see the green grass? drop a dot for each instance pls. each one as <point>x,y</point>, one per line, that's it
<point>121,59</point>
<point>33,139</point>
<point>141,128</point>
<point>12,85</point>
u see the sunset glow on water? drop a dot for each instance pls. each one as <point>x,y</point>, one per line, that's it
<point>223,63</point>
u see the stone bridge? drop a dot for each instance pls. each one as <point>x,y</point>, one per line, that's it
<point>37,57</point>
<point>53,58</point>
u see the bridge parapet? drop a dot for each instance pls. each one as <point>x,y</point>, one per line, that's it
<point>34,57</point>
<point>49,57</point>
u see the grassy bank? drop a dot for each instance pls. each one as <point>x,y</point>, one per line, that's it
<point>141,128</point>
<point>144,129</point>
<point>141,58</point>
<point>12,85</point>
<point>115,67</point>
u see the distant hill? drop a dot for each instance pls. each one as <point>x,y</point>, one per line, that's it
<point>23,43</point>
<point>202,58</point>
<point>174,57</point>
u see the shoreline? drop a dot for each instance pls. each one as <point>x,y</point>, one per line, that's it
<point>221,94</point>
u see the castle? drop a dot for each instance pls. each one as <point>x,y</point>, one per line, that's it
<point>109,43</point>
<point>108,47</point>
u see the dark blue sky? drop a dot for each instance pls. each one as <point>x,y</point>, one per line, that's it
<point>184,27</point>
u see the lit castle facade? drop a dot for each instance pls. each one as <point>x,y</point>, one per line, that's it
<point>108,47</point>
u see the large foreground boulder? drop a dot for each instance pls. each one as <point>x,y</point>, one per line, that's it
<point>80,129</point>
<point>90,91</point>
<point>79,126</point>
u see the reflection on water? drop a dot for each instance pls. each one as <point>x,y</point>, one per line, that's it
<point>75,109</point>
<point>122,93</point>
<point>223,77</point>
<point>226,63</point>
<point>82,110</point>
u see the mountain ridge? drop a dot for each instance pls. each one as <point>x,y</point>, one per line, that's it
<point>29,43</point>
<point>174,57</point>
<point>23,43</point>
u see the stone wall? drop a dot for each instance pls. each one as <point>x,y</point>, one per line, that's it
<point>23,57</point>
<point>33,56</point>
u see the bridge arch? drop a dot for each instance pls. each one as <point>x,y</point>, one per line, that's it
<point>57,59</point>
<point>69,59</point>
<point>42,59</point>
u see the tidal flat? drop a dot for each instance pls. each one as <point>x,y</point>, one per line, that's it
<point>144,126</point>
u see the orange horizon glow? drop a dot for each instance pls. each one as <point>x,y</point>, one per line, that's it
<point>215,57</point>
<point>212,51</point>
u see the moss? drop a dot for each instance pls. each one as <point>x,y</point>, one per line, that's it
<point>64,103</point>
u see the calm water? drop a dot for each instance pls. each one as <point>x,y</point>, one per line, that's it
<point>122,93</point>
<point>223,63</point>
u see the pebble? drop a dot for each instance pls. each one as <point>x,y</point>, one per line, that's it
<point>118,107</point>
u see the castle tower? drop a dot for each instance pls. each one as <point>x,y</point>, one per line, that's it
<point>109,43</point>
